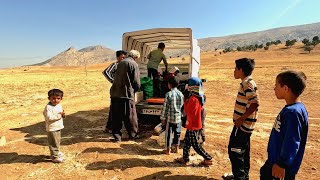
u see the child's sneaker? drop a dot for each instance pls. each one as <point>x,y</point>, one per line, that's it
<point>57,160</point>
<point>60,154</point>
<point>228,176</point>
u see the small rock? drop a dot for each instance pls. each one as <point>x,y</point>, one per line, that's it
<point>32,174</point>
<point>3,141</point>
<point>24,114</point>
<point>77,165</point>
<point>9,102</point>
<point>314,168</point>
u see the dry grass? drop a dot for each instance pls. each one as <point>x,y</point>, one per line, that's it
<point>89,152</point>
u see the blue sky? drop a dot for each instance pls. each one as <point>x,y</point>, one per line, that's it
<point>33,31</point>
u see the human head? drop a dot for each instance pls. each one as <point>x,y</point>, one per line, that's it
<point>195,88</point>
<point>173,82</point>
<point>161,46</point>
<point>134,54</point>
<point>121,55</point>
<point>55,96</point>
<point>290,81</point>
<point>245,65</point>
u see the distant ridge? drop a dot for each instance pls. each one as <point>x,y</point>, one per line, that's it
<point>283,33</point>
<point>89,55</point>
<point>99,54</point>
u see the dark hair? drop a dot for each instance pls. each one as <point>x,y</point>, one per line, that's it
<point>174,81</point>
<point>296,81</point>
<point>246,64</point>
<point>120,52</point>
<point>161,45</point>
<point>55,92</point>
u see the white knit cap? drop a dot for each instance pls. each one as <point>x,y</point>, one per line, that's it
<point>134,54</point>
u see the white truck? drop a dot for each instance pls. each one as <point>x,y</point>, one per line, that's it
<point>175,39</point>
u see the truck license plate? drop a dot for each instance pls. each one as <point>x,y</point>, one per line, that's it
<point>151,111</point>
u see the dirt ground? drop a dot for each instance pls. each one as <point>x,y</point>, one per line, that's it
<point>89,152</point>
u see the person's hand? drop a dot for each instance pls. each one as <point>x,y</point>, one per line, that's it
<point>63,114</point>
<point>278,172</point>
<point>163,122</point>
<point>239,122</point>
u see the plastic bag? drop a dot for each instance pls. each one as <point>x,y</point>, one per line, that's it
<point>159,128</point>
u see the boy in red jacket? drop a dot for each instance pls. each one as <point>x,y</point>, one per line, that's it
<point>193,105</point>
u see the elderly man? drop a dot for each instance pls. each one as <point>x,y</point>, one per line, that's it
<point>126,83</point>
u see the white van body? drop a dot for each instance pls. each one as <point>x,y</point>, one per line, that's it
<point>145,41</point>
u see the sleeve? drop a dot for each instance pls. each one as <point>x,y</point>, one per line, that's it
<point>136,79</point>
<point>149,55</point>
<point>51,115</point>
<point>164,59</point>
<point>165,108</point>
<point>250,90</point>
<point>110,71</point>
<point>291,141</point>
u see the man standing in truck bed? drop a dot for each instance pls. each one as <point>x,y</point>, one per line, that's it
<point>155,57</point>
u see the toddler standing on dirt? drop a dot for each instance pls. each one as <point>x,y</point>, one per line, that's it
<point>244,119</point>
<point>288,137</point>
<point>193,106</point>
<point>171,116</point>
<point>54,114</point>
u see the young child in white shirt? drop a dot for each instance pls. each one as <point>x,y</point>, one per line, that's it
<point>54,114</point>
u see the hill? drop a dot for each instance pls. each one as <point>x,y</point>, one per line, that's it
<point>284,33</point>
<point>88,55</point>
<point>100,54</point>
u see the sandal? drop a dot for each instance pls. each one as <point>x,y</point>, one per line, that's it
<point>206,162</point>
<point>181,161</point>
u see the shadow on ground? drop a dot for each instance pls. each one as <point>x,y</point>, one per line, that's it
<point>166,175</point>
<point>10,158</point>
<point>82,126</point>
<point>129,149</point>
<point>128,163</point>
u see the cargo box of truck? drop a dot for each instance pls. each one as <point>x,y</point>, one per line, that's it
<point>185,55</point>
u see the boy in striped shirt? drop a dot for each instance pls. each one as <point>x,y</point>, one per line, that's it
<point>244,119</point>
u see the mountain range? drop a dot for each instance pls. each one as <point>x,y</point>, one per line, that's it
<point>99,54</point>
<point>307,31</point>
